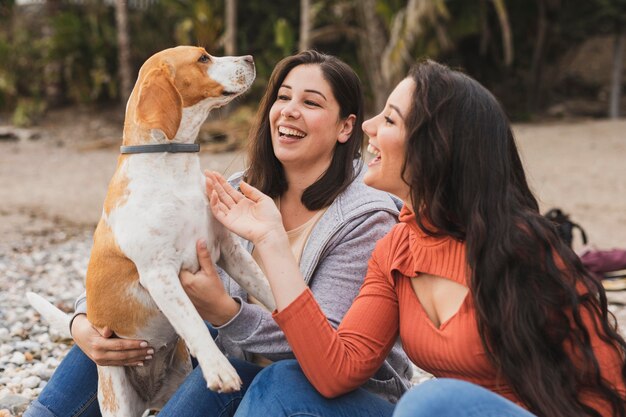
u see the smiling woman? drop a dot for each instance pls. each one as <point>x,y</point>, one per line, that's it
<point>387,141</point>
<point>308,110</point>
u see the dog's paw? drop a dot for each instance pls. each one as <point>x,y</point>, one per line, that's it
<point>221,376</point>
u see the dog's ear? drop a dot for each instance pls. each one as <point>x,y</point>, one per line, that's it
<point>160,106</point>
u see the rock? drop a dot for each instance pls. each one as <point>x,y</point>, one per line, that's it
<point>14,403</point>
<point>31,382</point>
<point>18,358</point>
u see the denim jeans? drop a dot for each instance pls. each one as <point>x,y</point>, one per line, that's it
<point>455,398</point>
<point>282,389</point>
<point>72,392</point>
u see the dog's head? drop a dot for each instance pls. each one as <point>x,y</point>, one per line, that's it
<point>175,90</point>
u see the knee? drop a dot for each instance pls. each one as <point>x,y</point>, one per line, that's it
<point>266,395</point>
<point>282,371</point>
<point>276,377</point>
<point>436,397</point>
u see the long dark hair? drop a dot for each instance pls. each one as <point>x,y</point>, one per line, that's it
<point>531,292</point>
<point>265,171</point>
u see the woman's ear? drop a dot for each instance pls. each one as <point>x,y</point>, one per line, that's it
<point>347,125</point>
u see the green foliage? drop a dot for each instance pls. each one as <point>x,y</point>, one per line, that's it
<point>27,112</point>
<point>284,36</point>
<point>85,46</point>
<point>73,50</point>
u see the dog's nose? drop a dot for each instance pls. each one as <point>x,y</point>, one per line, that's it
<point>248,59</point>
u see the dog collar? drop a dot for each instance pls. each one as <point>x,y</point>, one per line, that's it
<point>164,147</point>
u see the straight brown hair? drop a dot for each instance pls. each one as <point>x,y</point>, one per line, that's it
<point>265,171</point>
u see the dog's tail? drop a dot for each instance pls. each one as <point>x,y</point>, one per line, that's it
<point>58,320</point>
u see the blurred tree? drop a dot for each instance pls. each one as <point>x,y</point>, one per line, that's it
<point>230,34</point>
<point>505,26</point>
<point>306,19</point>
<point>615,12</point>
<point>397,43</point>
<point>53,67</point>
<point>123,50</point>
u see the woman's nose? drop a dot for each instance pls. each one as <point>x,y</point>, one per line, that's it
<point>368,127</point>
<point>290,111</point>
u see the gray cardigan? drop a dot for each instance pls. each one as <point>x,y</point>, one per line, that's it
<point>334,264</point>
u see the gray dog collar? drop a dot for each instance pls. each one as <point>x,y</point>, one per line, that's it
<point>165,147</point>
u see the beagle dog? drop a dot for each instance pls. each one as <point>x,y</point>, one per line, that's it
<point>155,210</point>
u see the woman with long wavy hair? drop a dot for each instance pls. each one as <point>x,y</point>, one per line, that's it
<point>474,281</point>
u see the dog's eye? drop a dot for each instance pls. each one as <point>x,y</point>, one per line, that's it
<point>204,59</point>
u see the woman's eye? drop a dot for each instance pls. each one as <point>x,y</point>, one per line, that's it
<point>311,103</point>
<point>282,97</point>
<point>388,120</point>
<point>204,59</point>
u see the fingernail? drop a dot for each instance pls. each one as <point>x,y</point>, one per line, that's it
<point>148,357</point>
<point>150,351</point>
<point>203,244</point>
<point>144,344</point>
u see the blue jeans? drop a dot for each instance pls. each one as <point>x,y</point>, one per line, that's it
<point>282,389</point>
<point>455,398</point>
<point>72,391</point>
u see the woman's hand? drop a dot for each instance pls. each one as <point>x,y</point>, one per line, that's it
<point>252,215</point>
<point>206,291</point>
<point>104,350</point>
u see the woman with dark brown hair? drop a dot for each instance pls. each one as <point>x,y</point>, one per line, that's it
<point>474,281</point>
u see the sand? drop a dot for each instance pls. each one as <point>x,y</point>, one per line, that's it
<point>59,182</point>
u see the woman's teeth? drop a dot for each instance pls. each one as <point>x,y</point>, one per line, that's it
<point>285,131</point>
<point>373,150</point>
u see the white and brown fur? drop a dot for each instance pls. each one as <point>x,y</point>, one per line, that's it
<point>154,212</point>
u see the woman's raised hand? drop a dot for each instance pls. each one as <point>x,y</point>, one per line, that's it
<point>249,213</point>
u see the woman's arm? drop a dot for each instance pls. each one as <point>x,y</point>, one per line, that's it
<point>334,361</point>
<point>335,283</point>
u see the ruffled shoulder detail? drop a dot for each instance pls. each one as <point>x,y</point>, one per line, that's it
<point>413,252</point>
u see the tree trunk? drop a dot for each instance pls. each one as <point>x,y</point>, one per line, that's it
<point>372,42</point>
<point>230,44</point>
<point>123,50</point>
<point>305,25</point>
<point>505,26</point>
<point>53,68</point>
<point>534,87</point>
<point>616,75</point>
<point>408,25</point>
<point>485,33</point>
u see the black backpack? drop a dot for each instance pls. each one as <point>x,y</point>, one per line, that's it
<point>565,227</point>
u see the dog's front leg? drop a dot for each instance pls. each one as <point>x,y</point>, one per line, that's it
<point>116,396</point>
<point>167,292</point>
<point>240,265</point>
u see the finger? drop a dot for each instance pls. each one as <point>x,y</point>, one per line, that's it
<point>234,194</point>
<point>208,184</point>
<point>224,196</point>
<point>219,209</point>
<point>123,345</point>
<point>124,358</point>
<point>105,332</point>
<point>204,257</point>
<point>185,277</point>
<point>251,192</point>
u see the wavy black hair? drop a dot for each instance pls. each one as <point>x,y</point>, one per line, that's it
<point>535,302</point>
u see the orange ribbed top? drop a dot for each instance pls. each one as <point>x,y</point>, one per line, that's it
<point>339,361</point>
